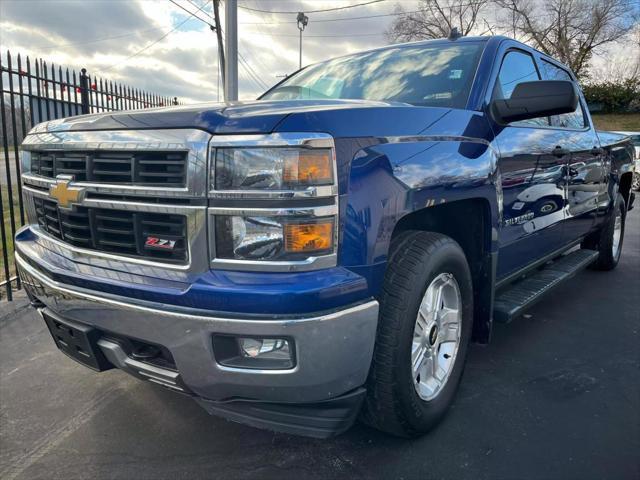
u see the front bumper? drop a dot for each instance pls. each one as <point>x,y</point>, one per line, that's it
<point>319,396</point>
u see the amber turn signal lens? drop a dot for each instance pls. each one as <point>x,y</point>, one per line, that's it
<point>308,237</point>
<point>313,167</point>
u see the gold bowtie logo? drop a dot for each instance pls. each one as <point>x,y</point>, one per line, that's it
<point>65,194</point>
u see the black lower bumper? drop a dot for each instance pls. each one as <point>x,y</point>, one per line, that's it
<point>77,341</point>
<point>318,420</point>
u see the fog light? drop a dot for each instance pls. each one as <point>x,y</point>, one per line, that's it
<point>277,348</point>
<point>254,352</point>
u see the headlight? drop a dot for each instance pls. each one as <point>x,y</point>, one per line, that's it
<point>273,202</point>
<point>273,238</point>
<point>272,168</point>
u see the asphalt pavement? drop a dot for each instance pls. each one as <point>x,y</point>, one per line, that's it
<point>556,395</point>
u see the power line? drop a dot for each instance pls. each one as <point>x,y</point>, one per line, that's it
<point>206,13</point>
<point>363,17</point>
<point>212,27</point>
<point>114,37</point>
<point>344,19</point>
<point>263,23</point>
<point>193,14</point>
<point>96,40</point>
<point>267,33</point>
<point>252,72</point>
<point>256,59</point>
<point>243,75</point>
<point>311,11</point>
<point>152,43</point>
<point>262,32</point>
<point>338,35</point>
<point>251,75</point>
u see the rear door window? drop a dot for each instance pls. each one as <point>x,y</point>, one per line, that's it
<point>572,120</point>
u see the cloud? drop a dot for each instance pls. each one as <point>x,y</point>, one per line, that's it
<point>74,20</point>
<point>123,40</point>
<point>100,35</point>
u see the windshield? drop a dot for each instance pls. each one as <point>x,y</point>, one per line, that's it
<point>437,75</point>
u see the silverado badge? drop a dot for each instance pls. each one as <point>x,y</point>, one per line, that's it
<point>64,194</point>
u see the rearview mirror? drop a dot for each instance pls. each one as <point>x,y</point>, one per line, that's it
<point>536,99</point>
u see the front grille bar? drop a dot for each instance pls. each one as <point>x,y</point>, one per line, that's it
<point>118,168</point>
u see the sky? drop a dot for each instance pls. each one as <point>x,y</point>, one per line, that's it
<point>99,36</point>
<point>156,46</point>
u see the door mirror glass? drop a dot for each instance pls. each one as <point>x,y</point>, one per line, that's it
<point>542,98</point>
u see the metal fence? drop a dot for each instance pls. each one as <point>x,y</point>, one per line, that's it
<point>33,92</point>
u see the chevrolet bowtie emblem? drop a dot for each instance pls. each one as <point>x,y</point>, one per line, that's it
<point>65,194</point>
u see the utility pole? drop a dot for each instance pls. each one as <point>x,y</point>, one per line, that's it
<point>231,37</point>
<point>218,30</point>
<point>303,21</point>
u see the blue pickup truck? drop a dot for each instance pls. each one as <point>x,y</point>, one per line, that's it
<point>329,251</point>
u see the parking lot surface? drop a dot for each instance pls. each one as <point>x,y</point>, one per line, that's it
<point>555,395</point>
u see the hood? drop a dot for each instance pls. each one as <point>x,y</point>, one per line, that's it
<point>216,118</point>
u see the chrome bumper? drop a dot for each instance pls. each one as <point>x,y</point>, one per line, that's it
<point>333,350</point>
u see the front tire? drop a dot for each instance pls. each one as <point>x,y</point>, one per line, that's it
<point>426,317</point>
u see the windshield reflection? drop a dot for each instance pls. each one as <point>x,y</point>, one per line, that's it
<point>438,75</point>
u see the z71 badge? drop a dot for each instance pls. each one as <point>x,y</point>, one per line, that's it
<point>161,243</point>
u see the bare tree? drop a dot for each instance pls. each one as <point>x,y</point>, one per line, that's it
<point>617,63</point>
<point>569,30</point>
<point>436,19</point>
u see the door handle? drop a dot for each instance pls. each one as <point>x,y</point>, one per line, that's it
<point>597,151</point>
<point>559,152</point>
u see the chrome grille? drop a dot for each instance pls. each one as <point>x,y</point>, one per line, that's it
<point>134,184</point>
<point>116,231</point>
<point>114,167</point>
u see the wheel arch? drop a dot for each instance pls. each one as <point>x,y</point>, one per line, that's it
<point>470,223</point>
<point>624,187</point>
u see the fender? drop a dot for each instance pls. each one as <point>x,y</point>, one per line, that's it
<point>397,160</point>
<point>394,177</point>
<point>618,159</point>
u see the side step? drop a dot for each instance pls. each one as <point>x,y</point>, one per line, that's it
<point>514,300</point>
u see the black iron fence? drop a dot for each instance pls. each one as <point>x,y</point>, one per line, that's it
<point>32,92</point>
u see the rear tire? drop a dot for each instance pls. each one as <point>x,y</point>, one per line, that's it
<point>608,241</point>
<point>427,276</point>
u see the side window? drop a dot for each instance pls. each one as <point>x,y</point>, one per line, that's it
<point>517,67</point>
<point>566,120</point>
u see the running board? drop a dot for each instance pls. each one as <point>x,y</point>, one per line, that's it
<point>514,300</point>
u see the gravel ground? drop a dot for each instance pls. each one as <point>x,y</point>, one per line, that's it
<point>556,395</point>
